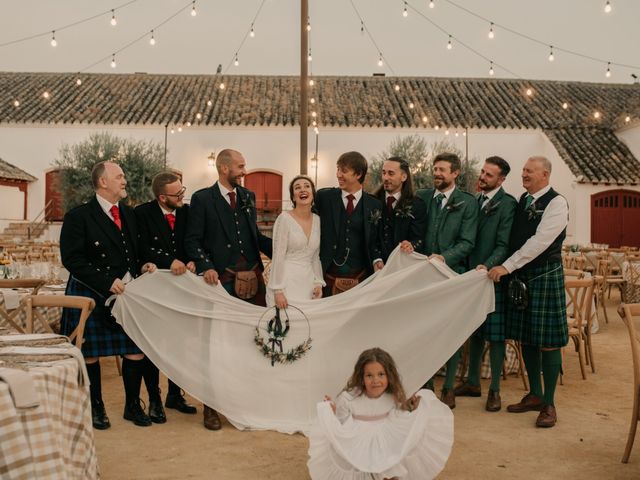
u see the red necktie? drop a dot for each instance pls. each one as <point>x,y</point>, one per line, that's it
<point>232,200</point>
<point>350,199</point>
<point>115,212</point>
<point>171,218</point>
<point>390,201</point>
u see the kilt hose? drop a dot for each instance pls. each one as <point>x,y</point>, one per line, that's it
<point>544,322</point>
<point>103,337</point>
<point>494,327</point>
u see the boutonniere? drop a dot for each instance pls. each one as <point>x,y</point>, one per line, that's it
<point>490,208</point>
<point>404,211</point>
<point>247,204</point>
<point>533,213</point>
<point>454,206</point>
<point>375,216</point>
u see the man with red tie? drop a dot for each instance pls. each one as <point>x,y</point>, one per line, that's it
<point>99,247</point>
<point>162,224</point>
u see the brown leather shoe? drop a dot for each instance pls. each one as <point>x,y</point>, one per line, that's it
<point>547,417</point>
<point>494,403</point>
<point>467,390</point>
<point>448,398</point>
<point>529,403</point>
<point>211,419</point>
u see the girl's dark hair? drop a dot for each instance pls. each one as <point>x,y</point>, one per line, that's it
<point>394,387</point>
<point>295,179</point>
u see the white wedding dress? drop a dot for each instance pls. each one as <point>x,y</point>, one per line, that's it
<point>295,264</point>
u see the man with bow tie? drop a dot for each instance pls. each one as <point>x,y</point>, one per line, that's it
<point>99,247</point>
<point>162,224</point>
<point>495,216</point>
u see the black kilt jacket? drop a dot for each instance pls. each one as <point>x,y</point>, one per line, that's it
<point>157,242</point>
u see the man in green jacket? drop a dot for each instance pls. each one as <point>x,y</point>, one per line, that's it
<point>452,217</point>
<point>495,216</point>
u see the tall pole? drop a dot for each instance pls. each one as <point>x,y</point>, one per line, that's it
<point>304,82</point>
<point>165,145</point>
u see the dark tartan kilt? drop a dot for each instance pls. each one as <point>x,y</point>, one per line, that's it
<point>544,322</point>
<point>103,337</point>
<point>493,329</point>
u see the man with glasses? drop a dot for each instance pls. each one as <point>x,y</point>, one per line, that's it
<point>162,224</point>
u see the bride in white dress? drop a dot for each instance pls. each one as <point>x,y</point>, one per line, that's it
<point>296,272</point>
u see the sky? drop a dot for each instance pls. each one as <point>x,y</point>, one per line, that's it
<point>411,45</point>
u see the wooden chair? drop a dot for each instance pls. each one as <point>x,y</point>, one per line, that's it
<point>33,283</point>
<point>631,286</point>
<point>579,295</point>
<point>573,273</point>
<point>628,312</point>
<point>601,285</point>
<point>85,304</point>
<point>518,349</point>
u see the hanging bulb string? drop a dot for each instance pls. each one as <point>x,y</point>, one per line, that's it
<point>366,29</point>
<point>59,29</point>
<point>244,38</point>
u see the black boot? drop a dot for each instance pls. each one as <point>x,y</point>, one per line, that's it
<point>151,376</point>
<point>98,413</point>
<point>175,399</point>
<point>132,377</point>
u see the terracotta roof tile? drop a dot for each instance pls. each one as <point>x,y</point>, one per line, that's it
<point>11,172</point>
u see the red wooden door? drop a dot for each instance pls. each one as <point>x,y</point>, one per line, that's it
<point>268,189</point>
<point>53,194</point>
<point>615,218</point>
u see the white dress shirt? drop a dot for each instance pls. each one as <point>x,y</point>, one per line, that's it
<point>554,219</point>
<point>446,194</point>
<point>106,205</point>
<point>395,195</point>
<point>357,195</point>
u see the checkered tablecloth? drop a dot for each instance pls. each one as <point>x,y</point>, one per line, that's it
<point>53,440</point>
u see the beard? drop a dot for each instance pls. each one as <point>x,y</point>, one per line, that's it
<point>441,183</point>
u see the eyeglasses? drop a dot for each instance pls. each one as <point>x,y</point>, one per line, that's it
<point>179,194</point>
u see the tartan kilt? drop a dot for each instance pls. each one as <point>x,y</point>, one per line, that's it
<point>544,322</point>
<point>493,329</point>
<point>103,337</point>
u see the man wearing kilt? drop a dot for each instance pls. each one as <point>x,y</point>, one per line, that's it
<point>99,247</point>
<point>224,241</point>
<point>404,216</point>
<point>539,322</point>
<point>495,216</point>
<point>162,224</point>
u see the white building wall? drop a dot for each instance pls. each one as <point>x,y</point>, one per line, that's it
<point>34,148</point>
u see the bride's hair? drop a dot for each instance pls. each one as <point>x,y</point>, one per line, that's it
<point>394,387</point>
<point>295,179</point>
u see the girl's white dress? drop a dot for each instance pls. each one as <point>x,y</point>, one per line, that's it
<point>371,439</point>
<point>295,264</point>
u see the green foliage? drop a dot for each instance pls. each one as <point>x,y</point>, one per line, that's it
<point>139,160</point>
<point>415,150</point>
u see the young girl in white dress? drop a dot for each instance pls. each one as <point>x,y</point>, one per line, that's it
<point>373,432</point>
<point>296,272</point>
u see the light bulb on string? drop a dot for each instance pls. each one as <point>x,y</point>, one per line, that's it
<point>491,33</point>
<point>491,72</point>
<point>152,40</point>
<point>380,62</point>
<point>16,103</point>
<point>436,128</point>
<point>607,7</point>
<point>314,123</point>
<point>252,33</point>
<point>551,56</point>
<point>46,95</point>
<point>311,82</point>
<point>565,105</point>
<point>309,57</point>
<point>627,119</point>
<point>405,12</point>
<point>194,12</point>
<point>529,92</point>
<point>449,44</point>
<point>308,25</point>
<point>396,87</point>
<point>608,72</point>
<point>78,81</point>
<point>446,132</point>
<point>411,105</point>
<point>209,103</point>
<point>113,22</point>
<point>314,114</point>
<point>179,129</point>
<point>188,124</point>
<point>172,131</point>
<point>236,62</point>
<point>315,130</point>
<point>457,134</point>
<point>432,4</point>
<point>198,116</point>
<point>312,101</point>
<point>113,60</point>
<point>53,42</point>
<point>424,119</point>
<point>597,115</point>
<point>221,86</point>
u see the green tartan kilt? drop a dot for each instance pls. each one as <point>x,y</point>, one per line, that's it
<point>544,322</point>
<point>493,329</point>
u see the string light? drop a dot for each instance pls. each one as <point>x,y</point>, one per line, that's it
<point>312,101</point>
<point>311,82</point>
<point>315,130</point>
<point>491,72</point>
<point>308,25</point>
<point>16,103</point>
<point>314,114</point>
<point>405,12</point>
<point>209,103</point>
<point>221,86</point>
<point>424,119</point>
<point>436,128</point>
<point>565,105</point>
<point>152,40</point>
<point>188,124</point>
<point>457,134</point>
<point>198,116</point>
<point>113,60</point>
<point>597,115</point>
<point>491,34</point>
<point>432,4</point>
<point>529,92</point>
<point>314,123</point>
<point>627,119</point>
<point>54,42</point>
<point>607,7</point>
<point>551,56</point>
<point>396,87</point>
<point>193,9</point>
<point>380,62</point>
<point>309,57</point>
<point>236,62</point>
<point>113,22</point>
<point>252,33</point>
<point>608,72</point>
<point>179,129</point>
<point>172,130</point>
<point>78,82</point>
<point>446,132</point>
<point>46,95</point>
<point>449,44</point>
<point>411,105</point>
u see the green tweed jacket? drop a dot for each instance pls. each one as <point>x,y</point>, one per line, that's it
<point>494,228</point>
<point>452,232</point>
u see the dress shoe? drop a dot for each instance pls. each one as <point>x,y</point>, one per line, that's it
<point>494,403</point>
<point>529,403</point>
<point>211,419</point>
<point>547,417</point>
<point>156,412</point>
<point>99,416</point>
<point>448,398</point>
<point>134,412</point>
<point>467,390</point>
<point>179,403</point>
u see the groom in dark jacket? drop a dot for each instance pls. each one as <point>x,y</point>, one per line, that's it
<point>350,221</point>
<point>224,241</point>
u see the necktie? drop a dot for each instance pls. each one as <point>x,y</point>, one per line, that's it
<point>350,199</point>
<point>232,200</point>
<point>528,201</point>
<point>439,199</point>
<point>115,213</point>
<point>171,218</point>
<point>390,201</point>
<point>481,199</point>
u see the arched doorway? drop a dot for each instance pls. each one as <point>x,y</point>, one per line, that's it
<point>267,185</point>
<point>615,218</point>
